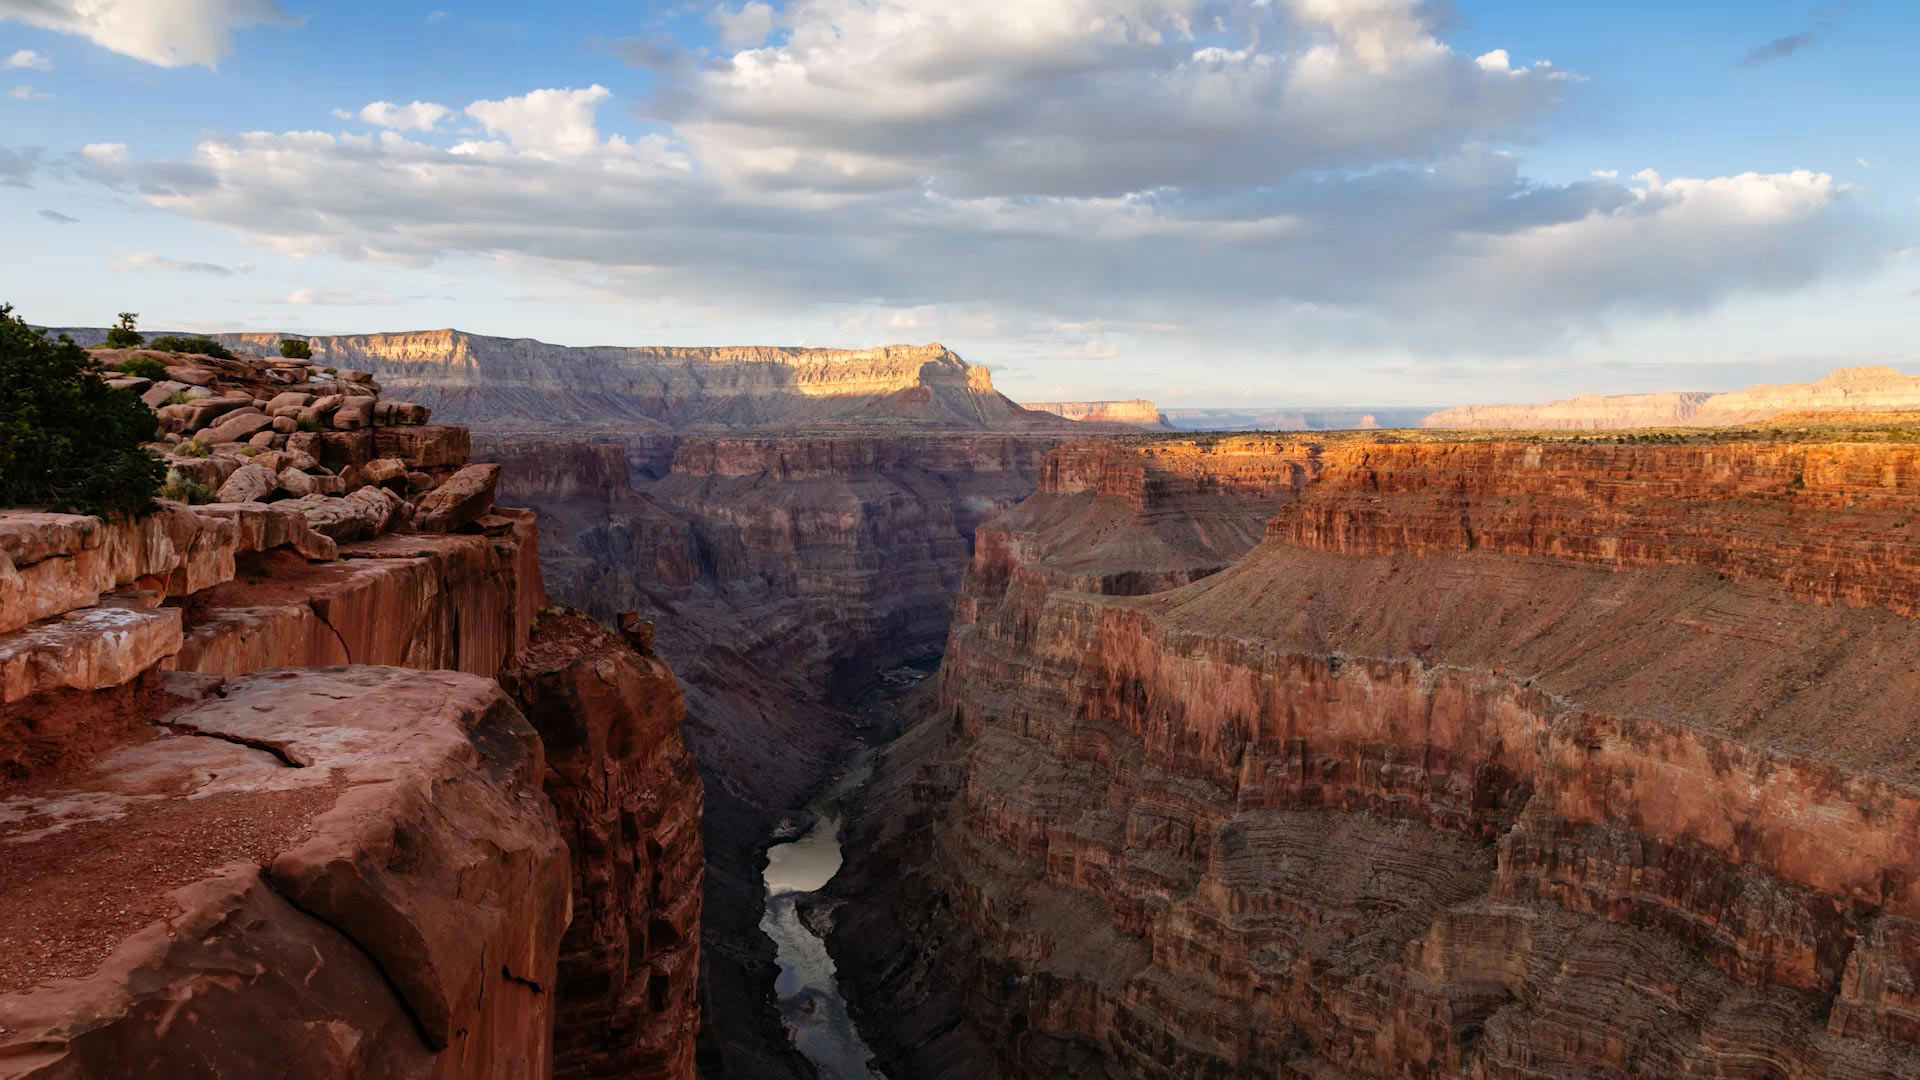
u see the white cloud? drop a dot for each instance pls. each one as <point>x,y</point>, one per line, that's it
<point>339,297</point>
<point>105,155</point>
<point>169,33</point>
<point>1087,97</point>
<point>417,116</point>
<point>27,58</point>
<point>558,122</point>
<point>146,260</point>
<point>748,25</point>
<point>1329,165</point>
<point>27,93</point>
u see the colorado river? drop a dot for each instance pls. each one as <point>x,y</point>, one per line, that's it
<point>808,986</point>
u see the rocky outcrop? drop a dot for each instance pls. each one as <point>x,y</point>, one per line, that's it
<point>360,852</point>
<point>1134,412</point>
<point>1492,760</point>
<point>628,799</point>
<point>1856,389</point>
<point>258,782</point>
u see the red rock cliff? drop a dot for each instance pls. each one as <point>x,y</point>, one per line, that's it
<point>258,781</point>
<point>1491,760</point>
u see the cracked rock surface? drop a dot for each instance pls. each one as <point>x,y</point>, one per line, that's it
<point>345,871</point>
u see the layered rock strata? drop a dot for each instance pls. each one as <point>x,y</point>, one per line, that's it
<point>478,379</point>
<point>1856,389</point>
<point>628,799</point>
<point>782,572</point>
<point>1491,760</point>
<point>1134,412</point>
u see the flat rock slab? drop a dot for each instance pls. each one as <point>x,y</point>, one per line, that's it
<point>342,871</point>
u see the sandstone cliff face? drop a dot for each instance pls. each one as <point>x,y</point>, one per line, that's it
<point>266,809</point>
<point>1135,412</point>
<point>628,801</point>
<point>472,378</point>
<point>1491,760</point>
<point>1857,389</point>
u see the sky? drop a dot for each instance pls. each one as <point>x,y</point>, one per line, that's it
<point>1233,203</point>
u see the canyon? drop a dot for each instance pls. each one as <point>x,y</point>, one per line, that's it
<point>1441,757</point>
<point>469,724</point>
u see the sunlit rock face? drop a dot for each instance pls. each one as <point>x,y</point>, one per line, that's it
<point>1855,389</point>
<point>471,378</point>
<point>1481,759</point>
<point>1137,412</point>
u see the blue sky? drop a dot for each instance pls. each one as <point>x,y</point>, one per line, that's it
<point>1245,201</point>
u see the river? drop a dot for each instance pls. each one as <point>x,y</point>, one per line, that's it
<point>808,986</point>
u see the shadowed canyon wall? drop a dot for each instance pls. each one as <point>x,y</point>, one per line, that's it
<point>1486,759</point>
<point>782,572</point>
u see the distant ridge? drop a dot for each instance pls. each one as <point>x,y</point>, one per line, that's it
<point>477,379</point>
<point>1136,411</point>
<point>1853,389</point>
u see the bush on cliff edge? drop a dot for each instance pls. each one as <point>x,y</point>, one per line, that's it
<point>68,441</point>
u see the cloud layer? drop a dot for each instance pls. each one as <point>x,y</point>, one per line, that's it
<point>169,33</point>
<point>1328,167</point>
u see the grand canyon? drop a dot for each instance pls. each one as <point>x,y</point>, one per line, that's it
<point>1001,540</point>
<point>469,702</point>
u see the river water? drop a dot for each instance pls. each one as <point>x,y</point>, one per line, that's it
<point>808,986</point>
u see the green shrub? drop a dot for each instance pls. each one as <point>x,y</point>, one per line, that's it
<point>123,335</point>
<point>182,488</point>
<point>295,349</point>
<point>68,440</point>
<point>145,367</point>
<point>308,423</point>
<point>193,448</point>
<point>199,346</point>
<point>178,397</point>
<point>249,451</point>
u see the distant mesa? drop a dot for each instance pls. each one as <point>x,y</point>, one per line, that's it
<point>1136,411</point>
<point>1851,390</point>
<point>476,379</point>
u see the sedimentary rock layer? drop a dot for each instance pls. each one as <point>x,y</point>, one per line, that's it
<point>1491,760</point>
<point>628,800</point>
<point>782,573</point>
<point>1857,389</point>
<point>473,378</point>
<point>1135,412</point>
<point>360,853</point>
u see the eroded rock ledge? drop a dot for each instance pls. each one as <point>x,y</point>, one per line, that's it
<point>1492,760</point>
<point>265,809</point>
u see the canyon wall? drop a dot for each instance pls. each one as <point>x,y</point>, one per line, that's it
<point>1487,759</point>
<point>1136,412</point>
<point>782,573</point>
<point>1856,389</point>
<point>472,378</point>
<point>267,809</point>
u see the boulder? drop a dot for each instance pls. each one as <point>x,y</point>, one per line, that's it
<point>290,399</point>
<point>238,425</point>
<point>285,425</point>
<point>249,483</point>
<point>159,392</point>
<point>465,496</point>
<point>383,470</point>
<point>305,442</point>
<point>355,516</point>
<point>357,413</point>
<point>294,482</point>
<point>266,526</point>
